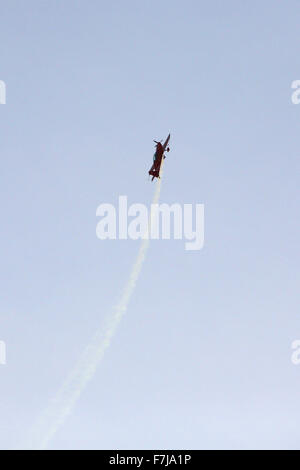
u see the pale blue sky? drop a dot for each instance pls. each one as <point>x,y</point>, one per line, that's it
<point>202,358</point>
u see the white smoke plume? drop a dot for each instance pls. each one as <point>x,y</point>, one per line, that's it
<point>61,406</point>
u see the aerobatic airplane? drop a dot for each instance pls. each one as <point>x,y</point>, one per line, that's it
<point>158,156</point>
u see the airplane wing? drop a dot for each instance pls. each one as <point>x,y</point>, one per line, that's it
<point>166,142</point>
<point>164,149</point>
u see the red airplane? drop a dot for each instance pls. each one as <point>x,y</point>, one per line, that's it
<point>158,156</point>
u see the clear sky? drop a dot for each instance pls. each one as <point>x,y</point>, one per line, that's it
<point>202,358</point>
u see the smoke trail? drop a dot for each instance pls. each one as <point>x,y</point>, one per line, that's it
<point>62,404</point>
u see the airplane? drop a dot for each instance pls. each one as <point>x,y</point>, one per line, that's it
<point>158,156</point>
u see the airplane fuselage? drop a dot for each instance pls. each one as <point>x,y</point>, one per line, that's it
<point>159,154</point>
